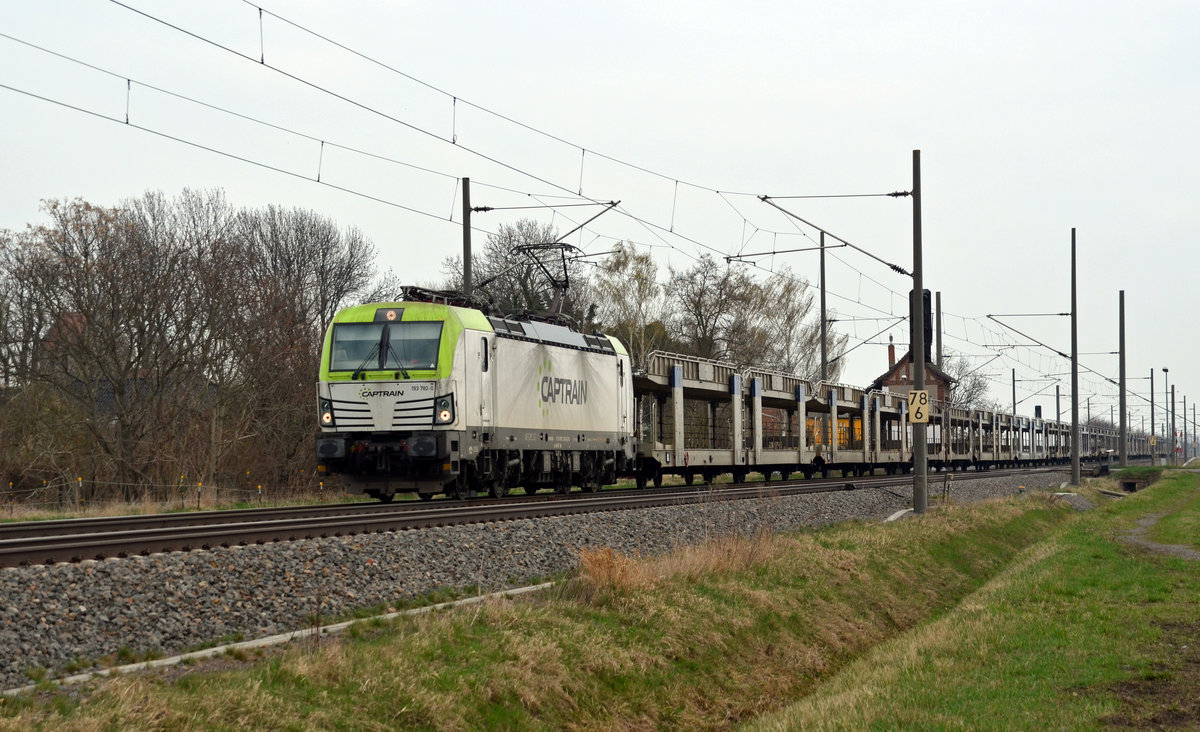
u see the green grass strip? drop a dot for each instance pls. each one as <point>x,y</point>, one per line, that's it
<point>1084,631</point>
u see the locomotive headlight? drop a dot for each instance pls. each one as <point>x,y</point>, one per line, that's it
<point>325,410</point>
<point>443,409</point>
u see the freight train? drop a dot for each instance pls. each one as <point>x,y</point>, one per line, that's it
<point>432,395</point>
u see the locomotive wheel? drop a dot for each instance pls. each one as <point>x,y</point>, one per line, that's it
<point>425,496</point>
<point>464,485</point>
<point>498,490</point>
<point>531,489</point>
<point>459,489</point>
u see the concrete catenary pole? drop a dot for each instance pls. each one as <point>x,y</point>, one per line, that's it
<point>1075,478</point>
<point>1124,420</point>
<point>1153,433</point>
<point>917,313</point>
<point>467,284</point>
<point>1168,444</point>
<point>1173,460</point>
<point>824,321</point>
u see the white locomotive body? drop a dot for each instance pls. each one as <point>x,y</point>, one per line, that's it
<point>434,398</point>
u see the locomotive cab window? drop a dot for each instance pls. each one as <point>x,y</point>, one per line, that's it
<point>385,346</point>
<point>353,344</point>
<point>413,345</point>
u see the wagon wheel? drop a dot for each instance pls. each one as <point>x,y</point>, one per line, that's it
<point>497,489</point>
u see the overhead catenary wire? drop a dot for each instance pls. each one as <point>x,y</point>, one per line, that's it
<point>261,61</point>
<point>233,156</point>
<point>668,229</point>
<point>258,163</point>
<point>894,267</point>
<point>241,158</point>
<point>342,97</point>
<point>455,99</point>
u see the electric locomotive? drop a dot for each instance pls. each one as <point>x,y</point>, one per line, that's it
<point>432,395</point>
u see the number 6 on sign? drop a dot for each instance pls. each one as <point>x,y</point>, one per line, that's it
<point>918,407</point>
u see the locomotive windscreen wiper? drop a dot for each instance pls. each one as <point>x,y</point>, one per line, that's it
<point>399,364</point>
<point>386,339</point>
<point>362,366</point>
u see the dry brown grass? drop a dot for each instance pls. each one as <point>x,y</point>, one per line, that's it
<point>606,571</point>
<point>149,503</point>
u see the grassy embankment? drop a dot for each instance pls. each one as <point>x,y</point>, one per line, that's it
<point>1012,614</point>
<point>1085,630</point>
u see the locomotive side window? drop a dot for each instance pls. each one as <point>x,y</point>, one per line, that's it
<point>483,348</point>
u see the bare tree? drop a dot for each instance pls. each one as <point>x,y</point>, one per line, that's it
<point>713,308</point>
<point>794,329</point>
<point>971,388</point>
<point>721,312</point>
<point>631,303</point>
<point>165,337</point>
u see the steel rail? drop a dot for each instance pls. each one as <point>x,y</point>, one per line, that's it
<point>62,527</point>
<point>261,527</point>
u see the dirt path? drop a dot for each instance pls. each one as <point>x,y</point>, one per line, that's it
<point>1165,697</point>
<point>1138,538</point>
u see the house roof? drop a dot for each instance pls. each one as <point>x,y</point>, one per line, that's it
<point>931,370</point>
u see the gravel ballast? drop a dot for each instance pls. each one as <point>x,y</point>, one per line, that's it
<point>71,615</point>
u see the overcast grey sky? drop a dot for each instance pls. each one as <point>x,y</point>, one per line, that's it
<point>1032,118</point>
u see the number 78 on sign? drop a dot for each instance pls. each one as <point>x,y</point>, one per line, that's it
<point>918,407</point>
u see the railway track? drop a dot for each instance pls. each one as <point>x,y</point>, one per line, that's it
<point>73,540</point>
